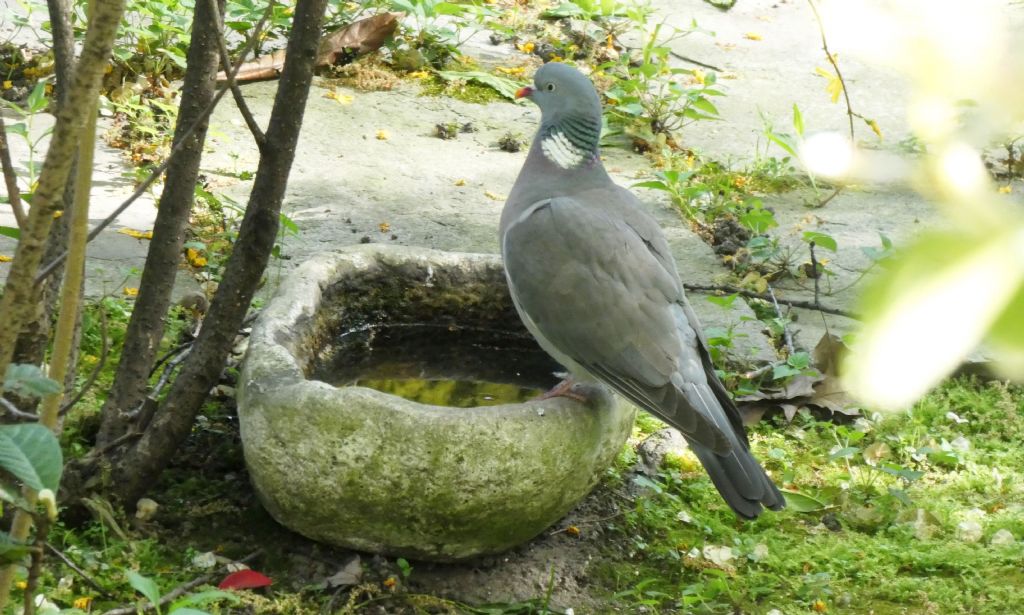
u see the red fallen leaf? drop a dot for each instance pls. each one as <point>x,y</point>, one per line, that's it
<point>245,579</point>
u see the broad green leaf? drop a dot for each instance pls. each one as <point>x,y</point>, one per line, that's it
<point>901,472</point>
<point>758,219</point>
<point>844,453</point>
<point>31,453</point>
<point>706,106</point>
<point>801,502</point>
<point>20,129</point>
<point>501,85</point>
<point>145,586</point>
<point>28,380</point>
<point>821,240</point>
<point>10,231</point>
<point>725,301</point>
<point>923,315</point>
<point>798,121</point>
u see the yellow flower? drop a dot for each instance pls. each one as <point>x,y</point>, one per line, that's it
<point>136,234</point>
<point>557,59</point>
<point>698,76</point>
<point>754,36</point>
<point>131,291</point>
<point>58,213</point>
<point>573,531</point>
<point>5,259</point>
<point>344,99</point>
<point>82,603</point>
<point>383,135</point>
<point>390,582</point>
<point>194,258</point>
<point>1005,189</point>
<point>460,182</point>
<point>8,84</point>
<point>20,584</point>
<point>514,70</point>
<point>526,47</point>
<point>420,74</point>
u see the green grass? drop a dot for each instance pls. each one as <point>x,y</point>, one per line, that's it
<point>877,557</point>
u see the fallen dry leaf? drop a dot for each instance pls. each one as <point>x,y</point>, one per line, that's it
<point>260,69</point>
<point>357,38</point>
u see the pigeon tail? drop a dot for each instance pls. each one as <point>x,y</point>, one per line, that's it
<point>740,480</point>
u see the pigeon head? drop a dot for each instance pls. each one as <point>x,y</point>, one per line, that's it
<point>570,114</point>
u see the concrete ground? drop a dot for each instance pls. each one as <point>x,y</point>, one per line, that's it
<point>347,184</point>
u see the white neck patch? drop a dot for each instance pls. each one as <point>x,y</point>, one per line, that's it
<point>560,150</point>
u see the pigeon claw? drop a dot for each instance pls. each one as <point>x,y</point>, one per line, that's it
<point>567,388</point>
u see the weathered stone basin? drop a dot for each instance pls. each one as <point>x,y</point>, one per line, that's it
<point>359,468</point>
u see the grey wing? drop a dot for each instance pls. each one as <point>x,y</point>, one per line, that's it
<point>596,289</point>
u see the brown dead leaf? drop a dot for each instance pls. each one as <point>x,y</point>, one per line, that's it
<point>260,69</point>
<point>357,38</point>
<point>830,392</point>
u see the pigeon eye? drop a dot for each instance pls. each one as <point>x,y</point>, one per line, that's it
<point>550,87</point>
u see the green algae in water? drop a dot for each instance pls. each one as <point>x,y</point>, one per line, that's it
<point>438,364</point>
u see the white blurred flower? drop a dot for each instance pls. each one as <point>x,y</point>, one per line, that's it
<point>720,556</point>
<point>953,416</point>
<point>1002,538</point>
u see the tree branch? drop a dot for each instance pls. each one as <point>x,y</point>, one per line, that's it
<point>236,92</point>
<point>157,172</point>
<point>135,471</point>
<point>797,303</point>
<point>11,179</point>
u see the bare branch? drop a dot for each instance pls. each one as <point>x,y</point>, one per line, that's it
<point>178,146</point>
<point>798,303</point>
<point>236,92</point>
<point>11,178</point>
<point>15,412</point>
<point>70,564</point>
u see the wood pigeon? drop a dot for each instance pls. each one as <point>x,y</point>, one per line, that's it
<point>593,279</point>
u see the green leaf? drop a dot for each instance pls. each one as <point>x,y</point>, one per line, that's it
<point>783,141</point>
<point>10,551</point>
<point>32,454</point>
<point>145,586</point>
<point>844,453</point>
<point>900,471</point>
<point>12,495</point>
<point>10,231</point>
<point>202,598</point>
<point>801,502</point>
<point>706,106</point>
<point>758,219</point>
<point>725,301</point>
<point>822,240</point>
<point>501,85</point>
<point>20,129</point>
<point>653,185</point>
<point>188,611</point>
<point>798,121</point>
<point>28,380</point>
<point>36,100</point>
<point>799,360</point>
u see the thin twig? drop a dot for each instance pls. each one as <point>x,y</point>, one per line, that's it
<point>697,62</point>
<point>178,146</point>
<point>13,410</point>
<point>782,319</point>
<point>11,178</point>
<point>236,92</point>
<point>168,370</point>
<point>100,364</point>
<point>835,65</point>
<point>797,303</point>
<point>816,276</point>
<point>178,591</point>
<point>70,564</point>
<point>42,523</point>
<point>169,354</point>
